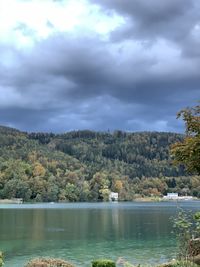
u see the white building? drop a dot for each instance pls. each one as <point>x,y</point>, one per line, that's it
<point>175,196</point>
<point>113,196</point>
<point>171,196</point>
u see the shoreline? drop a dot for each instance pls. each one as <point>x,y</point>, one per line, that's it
<point>140,199</point>
<point>11,201</point>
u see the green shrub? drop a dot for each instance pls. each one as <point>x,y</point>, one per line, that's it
<point>184,264</point>
<point>187,230</point>
<point>103,263</point>
<point>48,262</point>
<point>1,259</point>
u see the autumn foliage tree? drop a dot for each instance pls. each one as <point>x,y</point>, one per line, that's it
<point>187,152</point>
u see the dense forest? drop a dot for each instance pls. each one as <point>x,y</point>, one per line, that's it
<point>87,165</point>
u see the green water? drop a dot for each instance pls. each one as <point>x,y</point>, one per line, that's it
<point>81,232</point>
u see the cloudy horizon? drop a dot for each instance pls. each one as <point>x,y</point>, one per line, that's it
<point>96,64</point>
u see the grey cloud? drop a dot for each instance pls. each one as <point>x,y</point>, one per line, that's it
<point>84,68</point>
<point>152,11</point>
<point>80,81</point>
<point>154,18</point>
<point>25,118</point>
<point>174,20</point>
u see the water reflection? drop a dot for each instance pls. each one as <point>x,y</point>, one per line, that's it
<point>87,231</point>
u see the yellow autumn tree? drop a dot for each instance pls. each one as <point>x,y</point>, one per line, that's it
<point>187,152</point>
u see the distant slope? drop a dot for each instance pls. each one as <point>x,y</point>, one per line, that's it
<point>86,165</point>
<point>7,130</point>
<point>135,154</point>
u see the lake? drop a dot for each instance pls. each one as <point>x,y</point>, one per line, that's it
<point>80,232</point>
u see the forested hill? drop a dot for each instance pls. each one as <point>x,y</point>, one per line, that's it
<point>132,154</point>
<point>87,165</point>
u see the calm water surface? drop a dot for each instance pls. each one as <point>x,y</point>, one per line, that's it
<point>81,232</point>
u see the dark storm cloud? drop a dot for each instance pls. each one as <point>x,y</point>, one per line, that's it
<point>177,21</point>
<point>137,79</point>
<point>154,18</point>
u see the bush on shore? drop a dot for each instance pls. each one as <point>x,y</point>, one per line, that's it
<point>103,263</point>
<point>1,259</point>
<point>48,262</point>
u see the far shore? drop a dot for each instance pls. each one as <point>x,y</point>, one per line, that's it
<point>11,201</point>
<point>138,199</point>
<point>161,199</point>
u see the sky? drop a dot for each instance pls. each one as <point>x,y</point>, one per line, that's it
<point>101,65</point>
